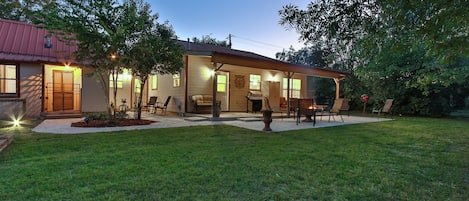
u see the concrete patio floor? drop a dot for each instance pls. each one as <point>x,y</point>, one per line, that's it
<point>251,121</point>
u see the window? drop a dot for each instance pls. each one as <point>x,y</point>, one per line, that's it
<point>8,80</point>
<point>137,86</point>
<point>120,81</point>
<point>176,80</point>
<point>221,83</point>
<point>154,82</point>
<point>295,88</point>
<point>254,82</point>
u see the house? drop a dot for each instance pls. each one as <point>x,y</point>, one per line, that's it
<point>38,75</point>
<point>230,75</point>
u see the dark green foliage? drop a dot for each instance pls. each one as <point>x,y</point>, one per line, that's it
<point>98,116</point>
<point>206,39</point>
<point>23,10</point>
<point>413,51</point>
<point>419,83</point>
<point>311,56</point>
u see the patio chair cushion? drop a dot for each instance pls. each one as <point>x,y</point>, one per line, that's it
<point>202,103</point>
<point>202,100</point>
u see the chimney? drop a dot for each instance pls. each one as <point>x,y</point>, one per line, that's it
<point>188,44</point>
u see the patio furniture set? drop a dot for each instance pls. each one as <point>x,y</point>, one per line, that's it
<point>153,105</point>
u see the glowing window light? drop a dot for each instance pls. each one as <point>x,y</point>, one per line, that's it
<point>127,74</point>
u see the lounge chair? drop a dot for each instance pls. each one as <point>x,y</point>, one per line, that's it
<point>345,107</point>
<point>385,109</point>
<point>151,103</point>
<point>335,110</point>
<point>164,106</point>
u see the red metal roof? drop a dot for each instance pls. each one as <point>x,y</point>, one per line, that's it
<point>24,42</point>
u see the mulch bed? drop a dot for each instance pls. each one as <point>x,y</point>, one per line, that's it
<point>112,123</point>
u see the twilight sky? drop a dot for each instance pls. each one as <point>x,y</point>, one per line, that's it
<point>254,23</point>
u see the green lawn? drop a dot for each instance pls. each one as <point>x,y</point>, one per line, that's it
<point>405,159</point>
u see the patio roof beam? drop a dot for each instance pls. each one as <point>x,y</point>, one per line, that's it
<point>272,64</point>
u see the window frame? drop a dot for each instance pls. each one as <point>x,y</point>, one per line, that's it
<point>177,80</point>
<point>120,81</point>
<point>251,82</point>
<point>154,82</point>
<point>224,84</point>
<point>16,94</point>
<point>294,92</point>
<point>137,86</point>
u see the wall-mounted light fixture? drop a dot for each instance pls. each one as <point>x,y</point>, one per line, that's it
<point>208,73</point>
<point>272,76</point>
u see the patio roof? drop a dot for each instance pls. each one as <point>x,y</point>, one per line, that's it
<point>24,42</point>
<point>224,55</point>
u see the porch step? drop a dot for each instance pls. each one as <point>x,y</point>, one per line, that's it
<point>247,119</point>
<point>196,119</point>
<point>61,115</point>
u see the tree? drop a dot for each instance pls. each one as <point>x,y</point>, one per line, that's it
<point>324,88</point>
<point>22,10</point>
<point>206,39</point>
<point>442,25</point>
<point>306,56</point>
<point>420,83</point>
<point>154,53</point>
<point>340,24</point>
<point>103,30</point>
<point>376,37</point>
<point>331,25</point>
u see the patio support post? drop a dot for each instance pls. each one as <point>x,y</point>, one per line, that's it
<point>215,109</point>
<point>337,88</point>
<point>289,76</point>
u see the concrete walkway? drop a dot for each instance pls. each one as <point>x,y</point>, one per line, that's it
<point>253,122</point>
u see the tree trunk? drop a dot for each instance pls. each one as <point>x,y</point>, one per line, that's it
<point>139,103</point>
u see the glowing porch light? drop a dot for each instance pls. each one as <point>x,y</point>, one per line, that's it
<point>272,78</point>
<point>208,72</point>
<point>16,122</point>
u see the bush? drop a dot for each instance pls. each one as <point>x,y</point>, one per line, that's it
<point>97,116</point>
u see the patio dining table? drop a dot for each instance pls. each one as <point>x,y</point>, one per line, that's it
<point>309,113</point>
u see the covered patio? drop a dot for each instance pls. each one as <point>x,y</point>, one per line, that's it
<point>219,59</point>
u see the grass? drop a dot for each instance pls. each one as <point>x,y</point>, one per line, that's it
<point>405,159</point>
